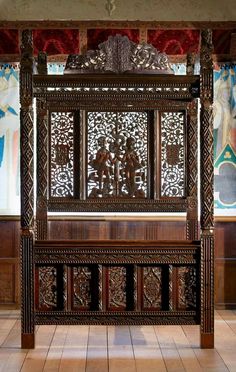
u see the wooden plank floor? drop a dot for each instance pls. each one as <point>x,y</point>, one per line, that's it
<point>118,348</point>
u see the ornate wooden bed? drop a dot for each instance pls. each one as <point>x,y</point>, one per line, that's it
<point>118,132</point>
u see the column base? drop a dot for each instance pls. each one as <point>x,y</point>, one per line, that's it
<point>207,340</point>
<point>27,341</point>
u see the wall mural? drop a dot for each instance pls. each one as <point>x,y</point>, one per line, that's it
<point>9,140</point>
<point>224,136</point>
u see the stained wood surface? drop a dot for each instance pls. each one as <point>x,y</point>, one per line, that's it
<point>118,348</point>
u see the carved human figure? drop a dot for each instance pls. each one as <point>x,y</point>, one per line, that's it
<point>131,164</point>
<point>102,164</point>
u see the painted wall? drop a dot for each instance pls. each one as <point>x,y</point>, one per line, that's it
<point>158,10</point>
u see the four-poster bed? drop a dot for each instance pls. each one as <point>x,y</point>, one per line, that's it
<point>117,132</point>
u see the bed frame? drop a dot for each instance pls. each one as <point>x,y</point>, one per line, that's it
<point>117,281</point>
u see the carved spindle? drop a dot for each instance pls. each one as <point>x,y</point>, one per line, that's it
<point>27,190</point>
<point>207,196</point>
<point>42,170</point>
<point>42,63</point>
<point>190,64</point>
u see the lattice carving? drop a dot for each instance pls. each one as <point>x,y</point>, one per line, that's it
<point>62,154</point>
<point>119,54</point>
<point>187,288</point>
<point>47,287</point>
<point>152,287</point>
<point>82,287</point>
<point>117,287</point>
<point>117,154</point>
<point>172,154</point>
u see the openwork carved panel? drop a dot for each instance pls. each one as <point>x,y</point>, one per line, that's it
<point>117,287</point>
<point>47,277</point>
<point>117,154</point>
<point>62,153</point>
<point>152,287</point>
<point>187,287</point>
<point>172,154</point>
<point>82,287</point>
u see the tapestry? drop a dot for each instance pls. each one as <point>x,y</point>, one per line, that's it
<point>9,140</point>
<point>224,110</point>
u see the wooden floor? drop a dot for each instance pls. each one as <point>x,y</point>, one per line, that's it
<point>120,348</point>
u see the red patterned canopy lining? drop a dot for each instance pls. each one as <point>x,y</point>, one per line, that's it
<point>66,41</point>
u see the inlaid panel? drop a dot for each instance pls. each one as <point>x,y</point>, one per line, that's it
<point>46,280</point>
<point>81,292</point>
<point>172,154</point>
<point>61,154</point>
<point>116,288</point>
<point>152,288</point>
<point>117,154</point>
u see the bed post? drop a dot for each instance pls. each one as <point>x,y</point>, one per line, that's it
<point>27,191</point>
<point>42,158</point>
<point>206,190</point>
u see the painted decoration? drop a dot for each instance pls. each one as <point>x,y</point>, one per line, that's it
<point>225,138</point>
<point>9,140</point>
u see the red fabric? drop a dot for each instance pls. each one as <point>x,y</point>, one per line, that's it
<point>97,36</point>
<point>56,41</point>
<point>221,41</point>
<point>174,41</point>
<point>9,41</point>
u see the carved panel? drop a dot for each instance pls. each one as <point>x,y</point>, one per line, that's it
<point>62,154</point>
<point>117,154</point>
<point>116,288</point>
<point>119,54</point>
<point>47,287</point>
<point>152,288</point>
<point>187,288</point>
<point>172,154</point>
<point>81,287</point>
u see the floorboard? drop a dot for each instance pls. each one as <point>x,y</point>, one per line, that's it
<point>118,348</point>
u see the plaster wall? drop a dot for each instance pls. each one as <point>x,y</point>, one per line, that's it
<point>144,10</point>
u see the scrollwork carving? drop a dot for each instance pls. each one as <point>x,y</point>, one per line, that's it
<point>118,54</point>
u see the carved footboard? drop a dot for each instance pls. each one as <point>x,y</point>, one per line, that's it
<point>117,282</point>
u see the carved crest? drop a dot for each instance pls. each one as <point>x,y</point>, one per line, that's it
<point>119,55</point>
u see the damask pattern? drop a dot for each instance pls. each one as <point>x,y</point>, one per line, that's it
<point>172,154</point>
<point>82,287</point>
<point>62,154</point>
<point>117,154</point>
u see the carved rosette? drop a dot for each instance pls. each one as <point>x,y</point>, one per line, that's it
<point>118,55</point>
